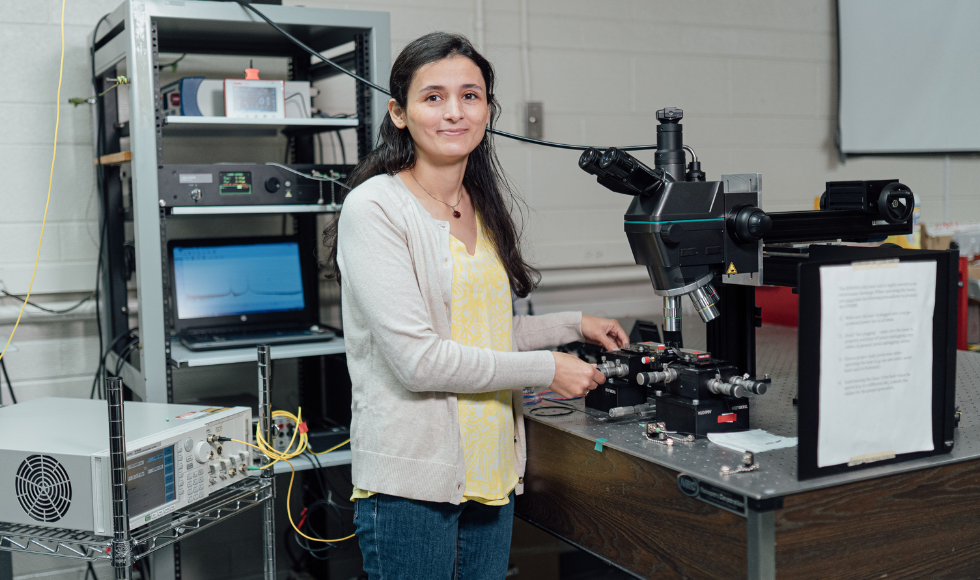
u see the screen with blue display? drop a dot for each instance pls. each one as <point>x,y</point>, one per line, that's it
<point>237,279</point>
<point>150,480</point>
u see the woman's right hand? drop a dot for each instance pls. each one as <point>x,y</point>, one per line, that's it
<point>574,377</point>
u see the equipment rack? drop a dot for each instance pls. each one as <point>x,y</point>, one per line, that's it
<point>129,40</point>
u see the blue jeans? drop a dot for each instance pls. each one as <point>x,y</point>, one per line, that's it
<point>407,539</point>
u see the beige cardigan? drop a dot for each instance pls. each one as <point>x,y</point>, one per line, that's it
<point>396,284</point>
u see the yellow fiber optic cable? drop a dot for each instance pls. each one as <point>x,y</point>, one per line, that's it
<point>289,512</point>
<point>286,455</point>
<point>299,443</point>
<point>54,154</point>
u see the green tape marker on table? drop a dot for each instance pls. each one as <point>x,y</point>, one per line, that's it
<point>598,444</point>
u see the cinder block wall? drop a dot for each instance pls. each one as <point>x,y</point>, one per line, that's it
<point>50,355</point>
<point>757,81</point>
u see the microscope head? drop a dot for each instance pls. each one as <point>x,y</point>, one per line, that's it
<point>675,227</point>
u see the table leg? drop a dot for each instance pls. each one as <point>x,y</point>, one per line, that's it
<point>761,545</point>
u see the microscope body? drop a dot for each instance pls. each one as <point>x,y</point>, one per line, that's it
<point>679,234</point>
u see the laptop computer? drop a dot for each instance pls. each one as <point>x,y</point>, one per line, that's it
<point>239,292</point>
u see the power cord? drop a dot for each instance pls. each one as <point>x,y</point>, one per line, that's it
<point>90,571</point>
<point>96,382</point>
<point>48,310</point>
<point>384,91</point>
<point>127,350</point>
<point>10,386</point>
<point>343,152</point>
<point>302,102</point>
<point>103,202</point>
<point>552,411</point>
<point>555,407</point>
<point>119,81</point>
<point>317,177</point>
<point>304,517</point>
<point>335,137</point>
<point>172,65</point>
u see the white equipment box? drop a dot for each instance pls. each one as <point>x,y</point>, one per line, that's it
<point>55,469</point>
<point>200,97</point>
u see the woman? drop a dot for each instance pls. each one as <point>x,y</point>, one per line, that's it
<point>427,256</point>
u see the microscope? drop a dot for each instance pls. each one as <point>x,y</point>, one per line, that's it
<point>711,241</point>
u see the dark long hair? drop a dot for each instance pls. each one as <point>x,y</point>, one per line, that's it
<point>484,178</point>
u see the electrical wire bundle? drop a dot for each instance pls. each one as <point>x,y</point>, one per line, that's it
<point>131,346</point>
<point>296,447</point>
<point>324,504</point>
<point>555,406</point>
<point>531,398</point>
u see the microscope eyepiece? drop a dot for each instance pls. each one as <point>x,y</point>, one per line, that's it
<point>632,176</point>
<point>612,159</point>
<point>589,161</point>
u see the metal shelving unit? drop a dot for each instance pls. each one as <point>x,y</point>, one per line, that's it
<point>251,209</point>
<point>230,127</point>
<point>228,502</point>
<point>182,356</point>
<point>124,547</point>
<point>133,36</point>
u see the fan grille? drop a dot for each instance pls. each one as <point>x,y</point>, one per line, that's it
<point>43,488</point>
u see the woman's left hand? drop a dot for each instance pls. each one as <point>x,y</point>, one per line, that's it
<point>605,332</point>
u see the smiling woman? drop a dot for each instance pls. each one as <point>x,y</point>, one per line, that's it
<point>427,256</point>
<point>424,74</point>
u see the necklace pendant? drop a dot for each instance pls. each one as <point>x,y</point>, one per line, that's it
<point>456,214</point>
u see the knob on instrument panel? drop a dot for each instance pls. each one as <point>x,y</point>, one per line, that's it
<point>749,224</point>
<point>202,452</point>
<point>272,184</point>
<point>672,234</point>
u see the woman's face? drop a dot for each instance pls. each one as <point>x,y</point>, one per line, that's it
<point>446,110</point>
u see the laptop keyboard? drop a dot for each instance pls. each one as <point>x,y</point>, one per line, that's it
<point>216,340</point>
<point>218,336</point>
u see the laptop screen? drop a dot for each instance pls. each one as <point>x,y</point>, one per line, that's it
<point>231,280</point>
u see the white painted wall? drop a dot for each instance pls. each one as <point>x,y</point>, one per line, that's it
<point>756,80</point>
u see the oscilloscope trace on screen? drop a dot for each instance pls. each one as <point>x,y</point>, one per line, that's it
<point>237,279</point>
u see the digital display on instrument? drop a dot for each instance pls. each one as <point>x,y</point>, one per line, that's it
<point>238,279</point>
<point>150,480</point>
<point>254,99</point>
<point>235,183</point>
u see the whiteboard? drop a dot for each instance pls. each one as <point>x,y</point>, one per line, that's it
<point>909,76</point>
